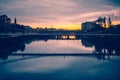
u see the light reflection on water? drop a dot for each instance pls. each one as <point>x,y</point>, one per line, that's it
<point>57,46</point>
<point>95,67</point>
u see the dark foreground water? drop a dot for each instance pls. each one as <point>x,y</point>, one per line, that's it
<point>59,68</point>
<point>104,66</point>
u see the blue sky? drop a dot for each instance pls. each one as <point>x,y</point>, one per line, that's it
<point>51,12</point>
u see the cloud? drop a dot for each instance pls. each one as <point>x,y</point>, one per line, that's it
<point>56,12</point>
<point>114,2</point>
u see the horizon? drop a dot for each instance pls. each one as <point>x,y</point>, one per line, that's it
<point>64,14</point>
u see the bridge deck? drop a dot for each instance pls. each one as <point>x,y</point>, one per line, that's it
<point>60,34</point>
<point>60,54</point>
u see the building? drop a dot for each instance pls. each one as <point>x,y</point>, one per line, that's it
<point>88,26</point>
<point>15,21</point>
<point>109,22</point>
<point>9,21</point>
<point>4,21</point>
<point>104,22</point>
<point>97,24</point>
<point>101,21</point>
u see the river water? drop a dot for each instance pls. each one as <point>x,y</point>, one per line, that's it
<point>104,66</point>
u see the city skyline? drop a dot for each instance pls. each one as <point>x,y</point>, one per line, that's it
<point>67,14</point>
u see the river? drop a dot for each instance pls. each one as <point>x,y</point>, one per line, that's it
<point>103,66</point>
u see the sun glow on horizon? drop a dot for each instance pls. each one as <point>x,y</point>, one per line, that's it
<point>56,26</point>
<point>62,26</point>
<point>116,22</point>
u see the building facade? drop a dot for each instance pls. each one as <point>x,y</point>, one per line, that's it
<point>88,26</point>
<point>4,21</point>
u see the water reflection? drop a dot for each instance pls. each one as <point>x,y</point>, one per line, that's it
<point>106,45</point>
<point>102,45</point>
<point>60,67</point>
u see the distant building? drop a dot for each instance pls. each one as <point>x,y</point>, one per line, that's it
<point>104,22</point>
<point>6,26</point>
<point>15,21</point>
<point>109,22</point>
<point>9,21</point>
<point>101,21</point>
<point>97,24</point>
<point>4,21</point>
<point>88,26</point>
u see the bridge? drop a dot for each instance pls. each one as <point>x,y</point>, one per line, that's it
<point>46,36</point>
<point>25,56</point>
<point>61,54</point>
<point>62,34</point>
<point>97,55</point>
<point>7,35</point>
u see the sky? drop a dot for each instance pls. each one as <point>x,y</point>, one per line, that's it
<point>67,14</point>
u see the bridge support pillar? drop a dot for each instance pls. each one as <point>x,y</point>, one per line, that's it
<point>68,37</point>
<point>58,36</point>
